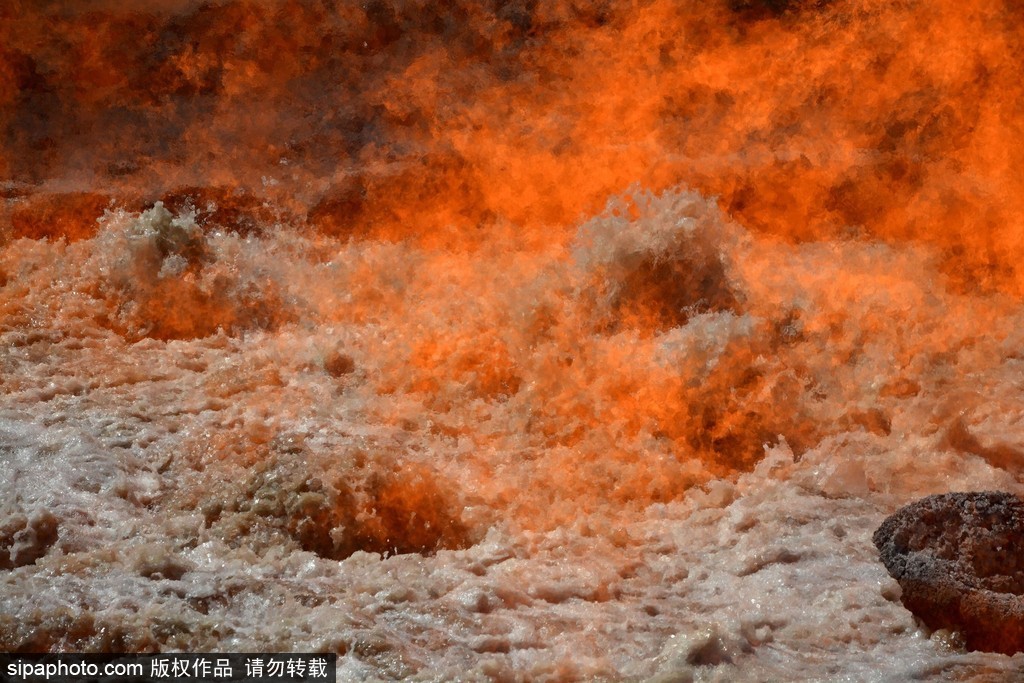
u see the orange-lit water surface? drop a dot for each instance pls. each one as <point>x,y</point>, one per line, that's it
<point>503,340</point>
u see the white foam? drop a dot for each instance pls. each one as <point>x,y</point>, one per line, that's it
<point>687,494</point>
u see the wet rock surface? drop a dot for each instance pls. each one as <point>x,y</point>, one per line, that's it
<point>958,558</point>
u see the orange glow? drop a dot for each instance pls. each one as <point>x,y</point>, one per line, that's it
<point>432,165</point>
<point>807,119</point>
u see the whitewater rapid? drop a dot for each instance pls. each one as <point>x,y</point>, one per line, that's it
<point>657,452</point>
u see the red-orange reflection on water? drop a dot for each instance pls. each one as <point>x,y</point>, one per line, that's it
<point>492,127</point>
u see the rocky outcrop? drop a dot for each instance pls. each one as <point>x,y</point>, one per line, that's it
<point>959,558</point>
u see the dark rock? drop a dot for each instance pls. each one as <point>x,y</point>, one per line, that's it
<point>959,558</point>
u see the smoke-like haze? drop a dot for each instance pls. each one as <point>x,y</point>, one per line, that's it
<point>808,120</point>
<point>535,340</point>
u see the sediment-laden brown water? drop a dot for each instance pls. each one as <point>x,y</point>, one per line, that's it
<point>502,340</point>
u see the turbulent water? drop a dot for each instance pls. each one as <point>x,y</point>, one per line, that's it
<point>487,465</point>
<point>560,390</point>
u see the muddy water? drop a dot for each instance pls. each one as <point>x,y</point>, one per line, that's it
<point>491,463</point>
<point>531,342</point>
